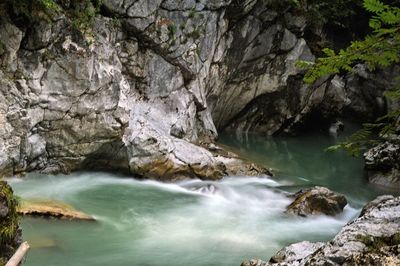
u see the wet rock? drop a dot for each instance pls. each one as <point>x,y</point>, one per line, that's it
<point>336,128</point>
<point>290,255</point>
<point>372,239</point>
<point>255,262</point>
<point>317,201</point>
<point>296,252</point>
<point>52,209</point>
<point>382,164</point>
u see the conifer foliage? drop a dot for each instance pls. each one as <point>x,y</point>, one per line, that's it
<point>380,49</point>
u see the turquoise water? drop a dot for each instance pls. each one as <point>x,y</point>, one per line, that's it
<point>303,161</point>
<point>152,223</point>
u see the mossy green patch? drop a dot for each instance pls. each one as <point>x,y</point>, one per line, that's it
<point>375,244</point>
<point>8,224</point>
<point>9,221</point>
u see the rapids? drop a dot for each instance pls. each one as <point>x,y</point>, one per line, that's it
<point>192,222</point>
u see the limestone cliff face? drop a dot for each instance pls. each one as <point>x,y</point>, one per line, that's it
<point>147,88</point>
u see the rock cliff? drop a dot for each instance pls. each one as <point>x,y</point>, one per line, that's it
<point>145,89</point>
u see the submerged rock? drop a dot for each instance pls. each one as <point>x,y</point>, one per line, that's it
<point>52,209</point>
<point>205,189</point>
<point>372,239</point>
<point>382,164</point>
<point>336,128</point>
<point>316,201</point>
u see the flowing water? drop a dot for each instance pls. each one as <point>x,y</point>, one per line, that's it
<point>193,222</point>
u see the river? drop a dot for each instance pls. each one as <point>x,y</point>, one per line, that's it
<point>153,223</point>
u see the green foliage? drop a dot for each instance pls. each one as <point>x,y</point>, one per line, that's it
<point>84,14</point>
<point>320,12</point>
<point>375,244</point>
<point>172,29</point>
<point>192,13</point>
<point>195,34</point>
<point>9,224</point>
<point>379,49</point>
<point>31,9</point>
<point>81,12</point>
<point>382,48</point>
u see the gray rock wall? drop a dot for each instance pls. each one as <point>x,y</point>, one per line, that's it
<point>127,95</point>
<point>146,89</point>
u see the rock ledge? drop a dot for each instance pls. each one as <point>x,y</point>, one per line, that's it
<point>52,209</point>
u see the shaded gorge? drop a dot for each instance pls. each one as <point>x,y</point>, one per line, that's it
<point>194,222</point>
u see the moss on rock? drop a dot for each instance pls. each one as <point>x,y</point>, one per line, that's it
<point>10,233</point>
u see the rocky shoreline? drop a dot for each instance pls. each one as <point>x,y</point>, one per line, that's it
<point>372,239</point>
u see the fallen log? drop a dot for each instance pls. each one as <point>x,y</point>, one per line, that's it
<point>18,255</point>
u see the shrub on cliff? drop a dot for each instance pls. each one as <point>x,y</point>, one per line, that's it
<point>10,235</point>
<point>81,12</point>
<point>338,12</point>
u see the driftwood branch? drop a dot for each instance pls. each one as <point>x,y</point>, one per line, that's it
<point>18,255</point>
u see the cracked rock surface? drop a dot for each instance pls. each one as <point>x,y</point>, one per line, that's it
<point>130,96</point>
<point>146,90</point>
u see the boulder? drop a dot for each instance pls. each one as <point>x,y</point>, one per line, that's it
<point>317,201</point>
<point>205,189</point>
<point>295,252</point>
<point>382,165</point>
<point>52,209</point>
<point>289,255</point>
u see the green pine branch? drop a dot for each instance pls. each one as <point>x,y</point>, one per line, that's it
<point>379,49</point>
